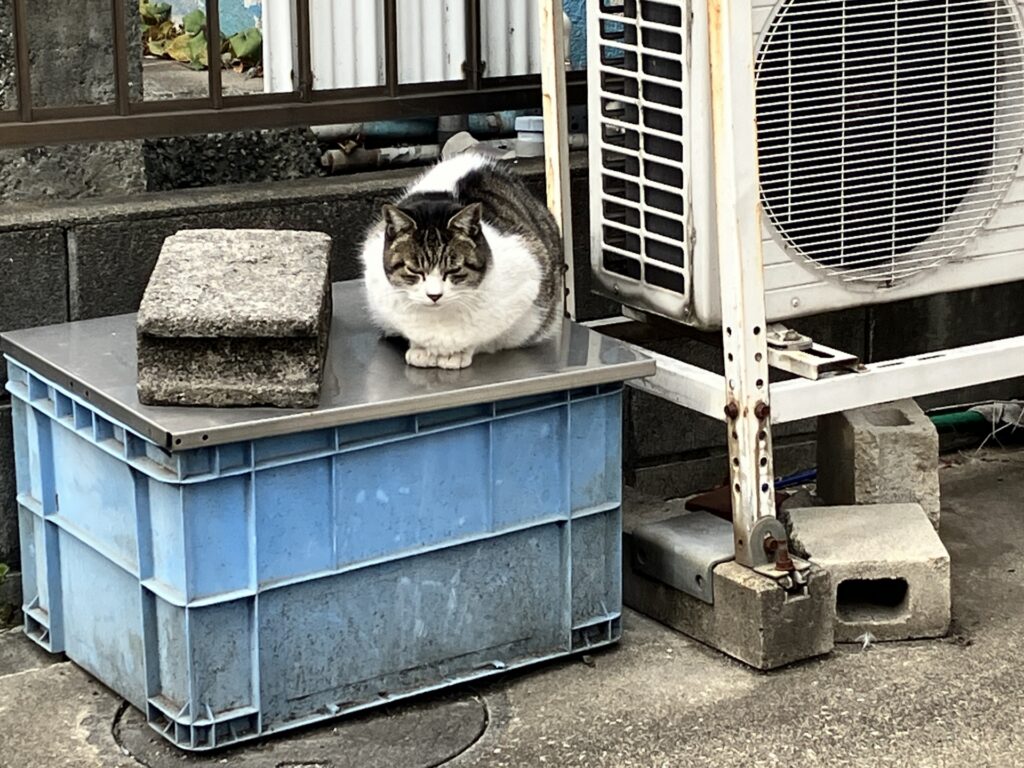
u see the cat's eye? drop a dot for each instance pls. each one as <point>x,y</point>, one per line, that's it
<point>412,271</point>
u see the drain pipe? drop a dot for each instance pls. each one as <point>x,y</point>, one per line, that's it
<point>385,129</point>
<point>358,158</point>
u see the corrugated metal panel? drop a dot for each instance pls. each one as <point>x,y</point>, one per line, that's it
<point>431,40</point>
<point>279,48</point>
<point>347,40</point>
<point>511,44</point>
<point>354,27</point>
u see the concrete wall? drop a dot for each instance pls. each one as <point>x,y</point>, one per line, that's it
<point>86,259</point>
<point>71,65</point>
<point>71,52</point>
<point>235,15</point>
<point>242,157</point>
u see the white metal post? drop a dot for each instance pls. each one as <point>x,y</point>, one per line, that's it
<point>742,272</point>
<point>556,134</point>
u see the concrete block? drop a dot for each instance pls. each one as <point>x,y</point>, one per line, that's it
<point>752,618</point>
<point>882,454</point>
<point>111,262</point>
<point>890,571</point>
<point>10,554</point>
<point>709,469</point>
<point>236,317</point>
<point>241,157</point>
<point>71,172</point>
<point>33,282</point>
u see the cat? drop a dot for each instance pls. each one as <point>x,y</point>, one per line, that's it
<point>467,261</point>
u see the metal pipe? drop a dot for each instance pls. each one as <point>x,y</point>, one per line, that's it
<point>341,161</point>
<point>479,124</point>
<point>385,129</point>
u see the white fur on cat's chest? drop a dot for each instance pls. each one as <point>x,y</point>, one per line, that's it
<point>500,313</point>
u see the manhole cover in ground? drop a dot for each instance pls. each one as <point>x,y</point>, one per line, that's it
<point>418,735</point>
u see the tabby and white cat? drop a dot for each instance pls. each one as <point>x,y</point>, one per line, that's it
<point>466,262</point>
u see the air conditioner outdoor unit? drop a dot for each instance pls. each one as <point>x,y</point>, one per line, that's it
<point>890,136</point>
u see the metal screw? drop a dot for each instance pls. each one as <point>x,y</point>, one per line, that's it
<point>762,411</point>
<point>732,410</point>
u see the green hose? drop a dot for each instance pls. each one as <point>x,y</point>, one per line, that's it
<point>959,419</point>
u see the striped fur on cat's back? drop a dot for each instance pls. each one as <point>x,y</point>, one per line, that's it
<point>467,261</point>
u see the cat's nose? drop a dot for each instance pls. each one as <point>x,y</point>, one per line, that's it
<point>435,297</point>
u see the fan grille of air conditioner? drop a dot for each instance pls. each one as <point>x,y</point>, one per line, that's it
<point>888,131</point>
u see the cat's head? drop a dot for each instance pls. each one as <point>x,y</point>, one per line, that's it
<point>435,251</point>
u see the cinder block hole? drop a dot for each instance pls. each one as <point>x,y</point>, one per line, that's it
<point>871,599</point>
<point>887,417</point>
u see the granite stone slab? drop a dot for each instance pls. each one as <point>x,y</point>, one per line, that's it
<point>284,373</point>
<point>236,318</point>
<point>237,283</point>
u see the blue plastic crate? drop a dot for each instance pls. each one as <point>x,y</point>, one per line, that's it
<point>238,590</point>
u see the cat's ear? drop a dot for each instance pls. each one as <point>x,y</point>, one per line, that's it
<point>397,221</point>
<point>467,221</point>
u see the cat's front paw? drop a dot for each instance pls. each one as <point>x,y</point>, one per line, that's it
<point>455,361</point>
<point>420,358</point>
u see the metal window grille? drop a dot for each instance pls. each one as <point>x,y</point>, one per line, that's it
<point>304,104</point>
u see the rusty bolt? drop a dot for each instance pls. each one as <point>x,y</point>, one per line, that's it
<point>732,410</point>
<point>762,411</point>
<point>779,550</point>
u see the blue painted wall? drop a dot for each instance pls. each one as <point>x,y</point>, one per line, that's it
<point>577,10</point>
<point>235,15</point>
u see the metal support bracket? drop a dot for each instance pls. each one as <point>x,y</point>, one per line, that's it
<point>682,551</point>
<point>789,350</point>
<point>772,558</point>
<point>741,270</point>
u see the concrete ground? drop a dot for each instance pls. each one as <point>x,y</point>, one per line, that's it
<point>658,699</point>
<point>166,79</point>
